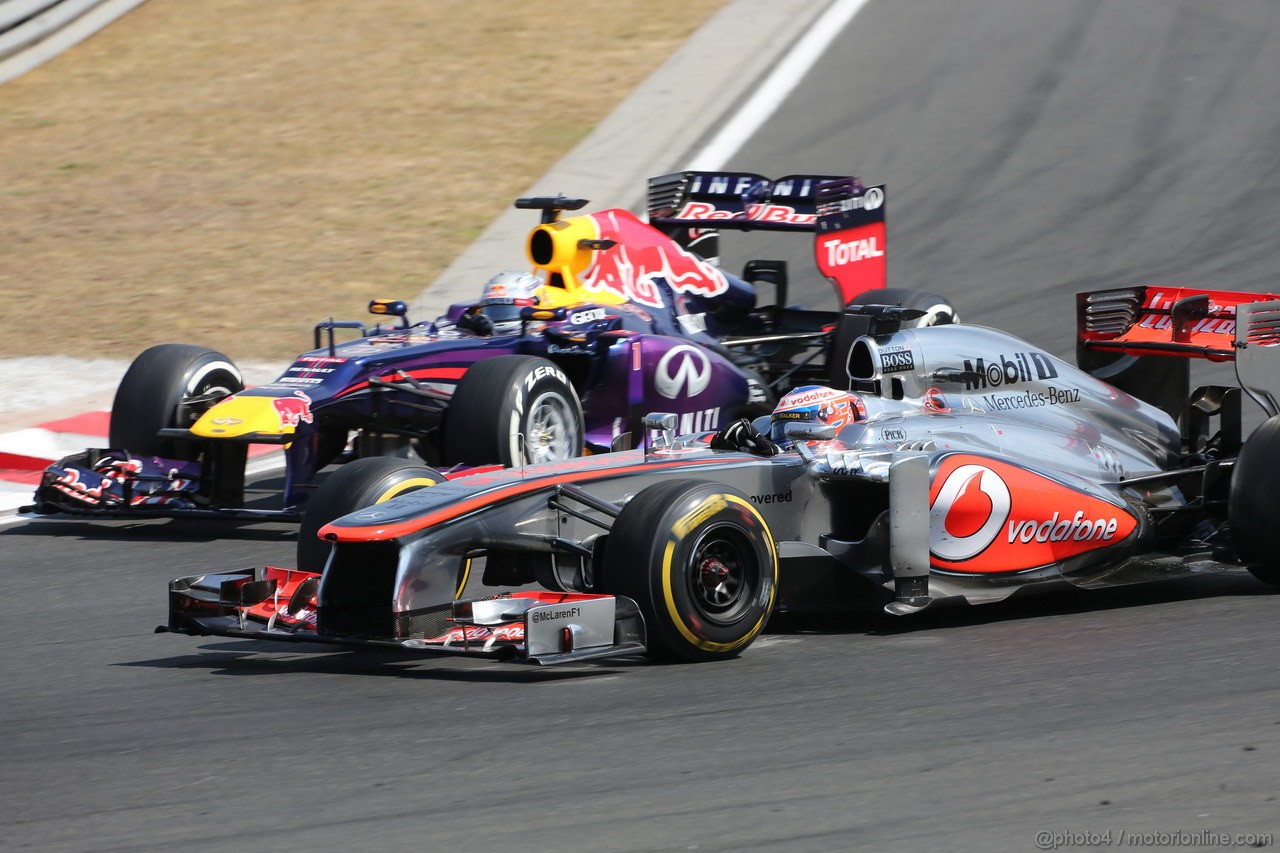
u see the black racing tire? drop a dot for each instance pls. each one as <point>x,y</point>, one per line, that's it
<point>700,562</point>
<point>1252,508</point>
<point>500,399</point>
<point>938,309</point>
<point>358,484</point>
<point>938,312</point>
<point>169,385</point>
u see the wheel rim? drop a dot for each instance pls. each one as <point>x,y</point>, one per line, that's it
<point>551,430</point>
<point>724,574</point>
<point>210,390</point>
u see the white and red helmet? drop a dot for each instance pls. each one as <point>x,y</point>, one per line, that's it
<point>815,404</point>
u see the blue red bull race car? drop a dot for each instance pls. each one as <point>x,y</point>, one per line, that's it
<point>617,318</point>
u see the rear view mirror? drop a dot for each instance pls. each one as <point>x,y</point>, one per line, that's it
<point>545,315</point>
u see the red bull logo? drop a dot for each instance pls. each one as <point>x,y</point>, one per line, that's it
<point>644,257</point>
<point>293,410</point>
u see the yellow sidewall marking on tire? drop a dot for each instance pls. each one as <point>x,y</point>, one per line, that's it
<point>408,485</point>
<point>462,582</point>
<point>685,524</point>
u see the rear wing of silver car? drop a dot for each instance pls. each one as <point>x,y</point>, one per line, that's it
<point>1141,340</point>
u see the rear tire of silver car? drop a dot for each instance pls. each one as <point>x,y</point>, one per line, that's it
<point>700,562</point>
<point>358,484</point>
<point>501,399</point>
<point>167,386</point>
<point>938,311</point>
<point>1251,503</point>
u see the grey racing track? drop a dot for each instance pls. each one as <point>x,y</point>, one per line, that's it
<point>1031,149</point>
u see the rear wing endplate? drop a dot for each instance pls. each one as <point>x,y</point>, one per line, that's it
<point>1217,325</point>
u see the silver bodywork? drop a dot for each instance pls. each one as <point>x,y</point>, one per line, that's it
<point>948,390</point>
<point>984,466</point>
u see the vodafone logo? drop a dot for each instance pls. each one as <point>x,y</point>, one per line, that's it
<point>987,516</point>
<point>968,513</point>
<point>872,198</point>
<point>684,371</point>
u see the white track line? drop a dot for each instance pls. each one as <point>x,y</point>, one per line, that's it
<point>777,86</point>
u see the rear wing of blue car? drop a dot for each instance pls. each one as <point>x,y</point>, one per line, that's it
<point>743,201</point>
<point>847,218</point>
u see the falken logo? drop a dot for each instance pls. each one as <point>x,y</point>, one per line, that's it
<point>897,362</point>
<point>1022,367</point>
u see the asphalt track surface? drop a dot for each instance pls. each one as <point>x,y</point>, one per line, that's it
<point>1032,149</point>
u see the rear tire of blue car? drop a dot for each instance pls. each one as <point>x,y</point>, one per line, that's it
<point>499,401</point>
<point>358,484</point>
<point>700,562</point>
<point>938,311</point>
<point>1252,508</point>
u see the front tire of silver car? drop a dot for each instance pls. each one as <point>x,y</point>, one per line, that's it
<point>358,484</point>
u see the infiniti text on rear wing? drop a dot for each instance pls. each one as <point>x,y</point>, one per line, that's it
<point>848,219</point>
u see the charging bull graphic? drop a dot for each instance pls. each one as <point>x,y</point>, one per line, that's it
<point>293,410</point>
<point>642,258</point>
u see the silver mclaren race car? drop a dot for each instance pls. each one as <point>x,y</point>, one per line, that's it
<point>959,464</point>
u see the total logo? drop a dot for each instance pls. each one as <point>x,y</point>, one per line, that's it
<point>987,516</point>
<point>684,370</point>
<point>840,252</point>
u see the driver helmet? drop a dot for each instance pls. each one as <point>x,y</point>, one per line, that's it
<point>814,404</point>
<point>507,292</point>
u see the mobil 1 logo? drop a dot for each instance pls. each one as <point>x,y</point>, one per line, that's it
<point>1008,370</point>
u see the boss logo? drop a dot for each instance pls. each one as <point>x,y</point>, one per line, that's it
<point>897,362</point>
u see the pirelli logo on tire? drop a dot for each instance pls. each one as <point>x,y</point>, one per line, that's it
<point>705,510</point>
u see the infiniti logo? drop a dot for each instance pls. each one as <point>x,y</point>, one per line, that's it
<point>692,372</point>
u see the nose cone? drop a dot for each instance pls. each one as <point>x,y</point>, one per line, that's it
<point>244,415</point>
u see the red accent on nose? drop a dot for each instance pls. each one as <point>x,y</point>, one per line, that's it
<point>970,510</point>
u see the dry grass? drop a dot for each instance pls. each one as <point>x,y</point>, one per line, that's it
<point>229,172</point>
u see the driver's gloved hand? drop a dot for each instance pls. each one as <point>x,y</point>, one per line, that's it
<point>476,323</point>
<point>740,435</point>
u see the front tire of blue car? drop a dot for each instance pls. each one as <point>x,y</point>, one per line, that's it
<point>169,386</point>
<point>700,562</point>
<point>358,484</point>
<point>513,410</point>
